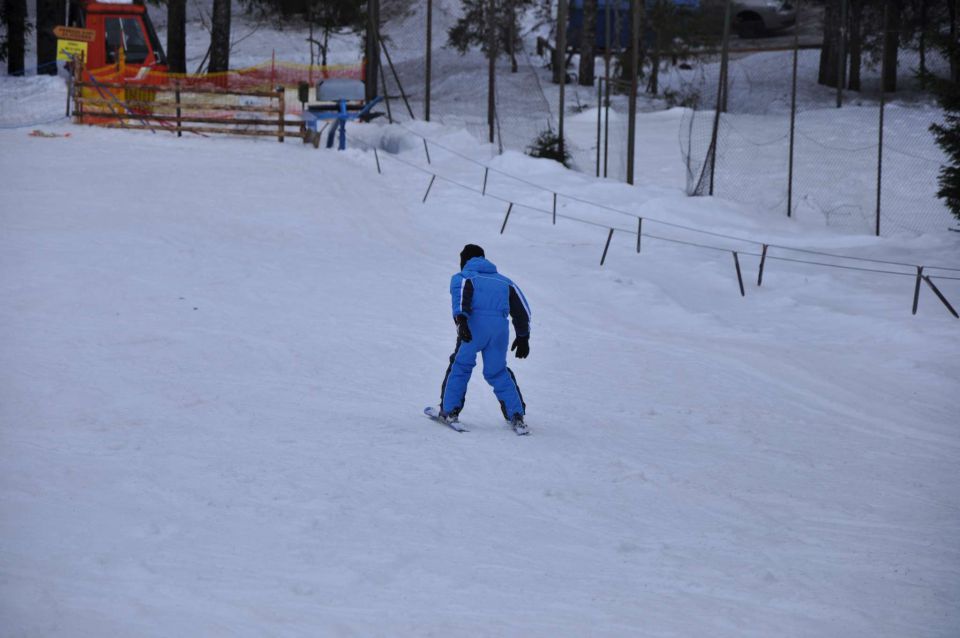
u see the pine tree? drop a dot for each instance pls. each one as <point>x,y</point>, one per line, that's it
<point>547,146</point>
<point>328,16</point>
<point>470,30</point>
<point>948,138</point>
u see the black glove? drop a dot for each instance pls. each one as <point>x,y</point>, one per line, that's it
<point>463,330</point>
<point>522,346</point>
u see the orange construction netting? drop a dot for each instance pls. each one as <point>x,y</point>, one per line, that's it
<point>266,76</point>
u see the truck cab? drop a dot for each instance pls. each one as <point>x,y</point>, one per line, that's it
<point>119,26</point>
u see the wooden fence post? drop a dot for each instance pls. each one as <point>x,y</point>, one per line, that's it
<point>179,121</point>
<point>78,87</point>
<point>283,109</point>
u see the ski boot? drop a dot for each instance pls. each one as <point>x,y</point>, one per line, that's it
<point>518,425</point>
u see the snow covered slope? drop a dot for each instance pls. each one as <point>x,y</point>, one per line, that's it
<point>214,354</point>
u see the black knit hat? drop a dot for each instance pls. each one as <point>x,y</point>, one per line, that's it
<point>469,252</point>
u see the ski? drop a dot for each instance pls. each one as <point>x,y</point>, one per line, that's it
<point>433,413</point>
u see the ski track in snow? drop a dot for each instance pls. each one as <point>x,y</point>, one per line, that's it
<point>215,354</point>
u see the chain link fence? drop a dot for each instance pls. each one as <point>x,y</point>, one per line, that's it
<point>859,160</point>
<point>762,124</point>
<point>459,83</point>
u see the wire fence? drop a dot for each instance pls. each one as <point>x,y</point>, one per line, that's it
<point>860,159</point>
<point>460,85</point>
<point>762,125</point>
<point>680,234</point>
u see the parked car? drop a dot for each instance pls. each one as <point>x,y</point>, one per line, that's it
<point>756,18</point>
<point>617,13</point>
<point>750,19</point>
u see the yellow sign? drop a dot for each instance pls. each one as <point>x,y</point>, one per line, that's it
<point>75,33</point>
<point>68,49</point>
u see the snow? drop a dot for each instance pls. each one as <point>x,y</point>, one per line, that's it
<point>215,354</point>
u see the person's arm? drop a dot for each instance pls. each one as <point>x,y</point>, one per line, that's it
<point>519,312</point>
<point>461,294</point>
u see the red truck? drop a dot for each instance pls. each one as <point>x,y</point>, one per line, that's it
<point>118,25</point>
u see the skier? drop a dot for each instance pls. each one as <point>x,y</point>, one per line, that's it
<point>482,299</point>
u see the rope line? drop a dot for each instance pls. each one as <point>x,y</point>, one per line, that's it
<point>672,240</point>
<point>672,224</point>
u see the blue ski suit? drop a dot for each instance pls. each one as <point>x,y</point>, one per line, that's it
<point>485,297</point>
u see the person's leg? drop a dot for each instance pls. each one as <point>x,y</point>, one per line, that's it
<point>499,376</point>
<point>453,392</point>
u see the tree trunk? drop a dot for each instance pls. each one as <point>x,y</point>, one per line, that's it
<point>372,50</point>
<point>15,19</point>
<point>922,45</point>
<point>588,41</point>
<point>856,44</point>
<point>177,35</point>
<point>954,50</point>
<point>831,40</point>
<point>660,17</point>
<point>50,13</point>
<point>891,45</point>
<point>511,44</point>
<point>220,37</point>
<point>559,53</point>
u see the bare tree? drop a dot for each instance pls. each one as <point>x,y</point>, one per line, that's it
<point>49,14</point>
<point>855,30</point>
<point>177,35</point>
<point>891,44</point>
<point>13,43</point>
<point>588,40</point>
<point>220,37</point>
<point>831,44</point>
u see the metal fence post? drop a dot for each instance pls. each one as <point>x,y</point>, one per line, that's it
<point>883,77</point>
<point>606,247</point>
<point>841,53</point>
<point>562,61</point>
<point>793,115</point>
<point>635,6</point>
<point>721,95</point>
<point>606,126</point>
<point>426,112</point>
<point>599,118</point>
<point>725,57</point>
<point>491,71</point>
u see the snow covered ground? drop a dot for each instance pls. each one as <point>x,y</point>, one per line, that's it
<point>214,355</point>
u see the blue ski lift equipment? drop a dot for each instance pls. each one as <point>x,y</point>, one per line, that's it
<point>341,100</point>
